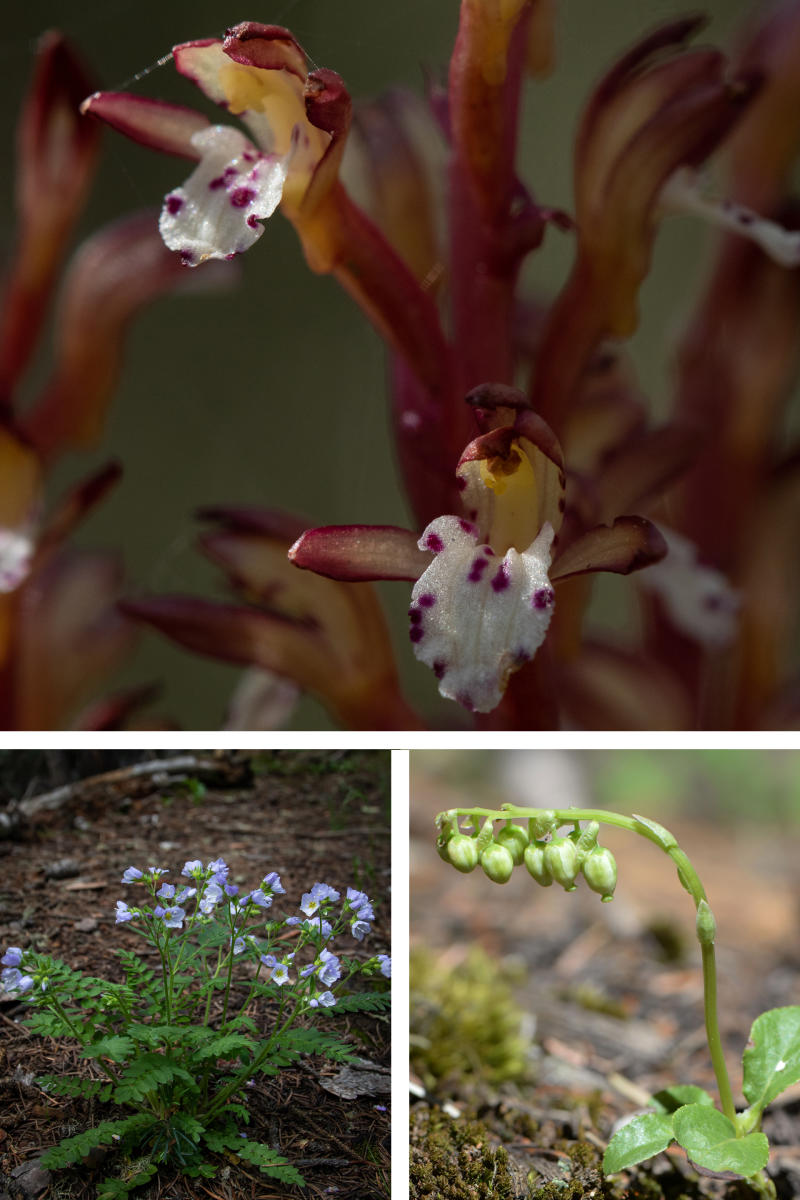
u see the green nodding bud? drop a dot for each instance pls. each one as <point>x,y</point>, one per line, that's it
<point>515,839</point>
<point>561,860</point>
<point>497,862</point>
<point>462,852</point>
<point>448,826</point>
<point>542,823</point>
<point>486,835</point>
<point>535,863</point>
<point>600,872</point>
<point>706,925</point>
<point>586,841</point>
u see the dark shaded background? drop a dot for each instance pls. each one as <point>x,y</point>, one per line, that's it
<point>275,393</point>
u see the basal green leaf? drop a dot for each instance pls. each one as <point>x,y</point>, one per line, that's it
<point>115,1048</point>
<point>670,1099</point>
<point>710,1140</point>
<point>772,1062</point>
<point>638,1140</point>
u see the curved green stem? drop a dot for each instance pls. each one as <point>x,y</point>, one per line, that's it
<point>549,820</point>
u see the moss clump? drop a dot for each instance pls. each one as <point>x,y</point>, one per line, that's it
<point>465,1025</point>
<point>454,1161</point>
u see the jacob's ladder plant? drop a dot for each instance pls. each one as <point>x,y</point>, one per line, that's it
<point>717,1138</point>
<point>177,1046</point>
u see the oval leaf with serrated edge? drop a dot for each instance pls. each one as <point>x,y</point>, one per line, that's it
<point>710,1140</point>
<point>772,1063</point>
<point>672,1098</point>
<point>640,1139</point>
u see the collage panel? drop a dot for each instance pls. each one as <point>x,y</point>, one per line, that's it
<point>196,974</point>
<point>605,974</point>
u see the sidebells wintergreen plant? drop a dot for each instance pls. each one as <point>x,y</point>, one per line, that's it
<point>717,1139</point>
<point>177,1046</point>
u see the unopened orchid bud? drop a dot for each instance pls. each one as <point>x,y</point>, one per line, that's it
<point>462,852</point>
<point>486,836</point>
<point>706,924</point>
<point>542,823</point>
<point>561,860</point>
<point>536,865</point>
<point>586,840</point>
<point>497,862</point>
<point>515,839</point>
<point>600,872</point>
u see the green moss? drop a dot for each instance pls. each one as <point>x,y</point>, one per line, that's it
<point>454,1161</point>
<point>465,1025</point>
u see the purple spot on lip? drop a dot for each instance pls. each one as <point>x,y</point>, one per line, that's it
<point>416,633</point>
<point>488,551</point>
<point>241,197</point>
<point>434,543</point>
<point>543,598</point>
<point>252,221</point>
<point>427,600</point>
<point>439,668</point>
<point>477,569</point>
<point>174,205</point>
<point>187,257</point>
<point>415,616</point>
<point>217,183</point>
<point>501,580</point>
<point>461,483</point>
<point>465,525</point>
<point>522,656</point>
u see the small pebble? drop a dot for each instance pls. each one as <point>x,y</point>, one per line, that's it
<point>63,868</point>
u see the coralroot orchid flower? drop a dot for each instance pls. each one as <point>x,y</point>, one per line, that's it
<point>482,603</point>
<point>427,224</point>
<point>60,632</point>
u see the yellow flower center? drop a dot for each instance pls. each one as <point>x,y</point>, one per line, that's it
<point>515,502</point>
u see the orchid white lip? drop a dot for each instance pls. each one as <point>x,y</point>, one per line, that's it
<point>699,599</point>
<point>681,194</point>
<point>216,213</point>
<point>16,556</point>
<point>477,617</point>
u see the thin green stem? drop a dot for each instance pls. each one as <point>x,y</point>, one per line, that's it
<point>552,819</point>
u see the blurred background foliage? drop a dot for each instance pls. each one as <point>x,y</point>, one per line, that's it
<point>705,784</point>
<point>274,393</point>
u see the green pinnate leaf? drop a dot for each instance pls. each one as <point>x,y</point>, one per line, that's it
<point>639,1139</point>
<point>772,1062</point>
<point>670,1099</point>
<point>710,1141</point>
<point>73,1149</point>
<point>269,1162</point>
<point>115,1048</point>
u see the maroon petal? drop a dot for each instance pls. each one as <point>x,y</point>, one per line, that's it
<point>628,545</point>
<point>68,637</point>
<point>111,278</point>
<point>57,150</point>
<point>355,553</point>
<point>74,506</point>
<point>610,688</point>
<point>154,123</point>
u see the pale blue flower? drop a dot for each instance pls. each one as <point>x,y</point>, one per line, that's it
<point>123,913</point>
<point>173,917</point>
<point>166,891</point>
<point>192,867</point>
<point>386,965</point>
<point>238,945</point>
<point>325,999</point>
<point>330,968</point>
<point>219,869</point>
<point>12,957</point>
<point>231,889</point>
<point>269,960</point>
<point>260,898</point>
<point>318,894</point>
<point>14,981</point>
<point>185,893</point>
<point>131,875</point>
<point>360,929</point>
<point>280,974</point>
<point>273,882</point>
<point>211,896</point>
